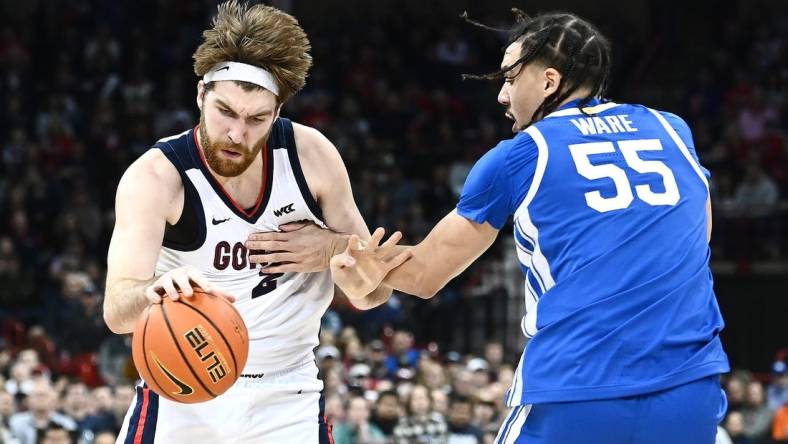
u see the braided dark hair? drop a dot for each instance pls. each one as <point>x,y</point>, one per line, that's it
<point>563,41</point>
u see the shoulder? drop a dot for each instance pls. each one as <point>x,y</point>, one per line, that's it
<point>509,155</point>
<point>322,165</point>
<point>153,174</point>
<point>674,120</point>
<point>312,144</point>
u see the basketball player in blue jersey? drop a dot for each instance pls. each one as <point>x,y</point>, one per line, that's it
<point>611,222</point>
<point>186,207</point>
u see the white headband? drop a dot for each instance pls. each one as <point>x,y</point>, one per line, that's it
<point>244,73</point>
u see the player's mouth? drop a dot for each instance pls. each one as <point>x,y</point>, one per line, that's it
<point>514,125</point>
<point>231,154</point>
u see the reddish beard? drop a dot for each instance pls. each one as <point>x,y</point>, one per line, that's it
<point>223,166</point>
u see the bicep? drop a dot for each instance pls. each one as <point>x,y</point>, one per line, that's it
<point>327,170</point>
<point>140,218</point>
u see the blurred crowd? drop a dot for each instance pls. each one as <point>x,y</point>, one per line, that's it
<point>382,391</point>
<point>92,84</point>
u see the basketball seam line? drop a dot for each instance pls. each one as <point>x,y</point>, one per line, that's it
<point>145,355</point>
<point>183,355</point>
<point>226,342</point>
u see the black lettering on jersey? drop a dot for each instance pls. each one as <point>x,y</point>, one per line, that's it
<point>221,255</point>
<point>287,209</point>
<point>239,256</point>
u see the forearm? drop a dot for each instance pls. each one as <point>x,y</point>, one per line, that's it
<point>415,275</point>
<point>124,302</point>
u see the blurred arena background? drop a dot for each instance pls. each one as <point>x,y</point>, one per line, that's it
<point>86,86</point>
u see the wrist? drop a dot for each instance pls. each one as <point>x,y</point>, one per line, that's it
<point>339,243</point>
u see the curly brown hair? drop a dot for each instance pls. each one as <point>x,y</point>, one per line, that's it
<point>258,35</point>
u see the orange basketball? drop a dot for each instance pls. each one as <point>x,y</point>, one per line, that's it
<point>190,350</point>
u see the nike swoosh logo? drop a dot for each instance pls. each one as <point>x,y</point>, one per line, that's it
<point>223,68</point>
<point>185,389</point>
<point>217,222</point>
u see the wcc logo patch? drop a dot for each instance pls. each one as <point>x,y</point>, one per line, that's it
<point>287,209</point>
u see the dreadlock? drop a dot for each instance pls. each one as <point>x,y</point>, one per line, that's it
<point>564,41</point>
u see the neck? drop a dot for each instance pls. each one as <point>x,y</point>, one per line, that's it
<point>579,94</point>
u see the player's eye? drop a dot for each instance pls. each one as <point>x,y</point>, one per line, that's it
<point>226,112</point>
<point>508,80</point>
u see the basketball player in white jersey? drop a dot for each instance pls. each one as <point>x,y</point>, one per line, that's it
<point>185,209</point>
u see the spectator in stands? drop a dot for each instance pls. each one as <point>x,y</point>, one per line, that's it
<point>120,404</point>
<point>402,355</point>
<point>780,425</point>
<point>77,404</point>
<point>755,202</point>
<point>778,389</point>
<point>734,425</point>
<point>357,429</point>
<point>421,425</point>
<point>376,356</point>
<point>493,354</point>
<point>461,430</point>
<point>101,416</point>
<point>756,413</point>
<point>20,380</point>
<point>55,433</point>
<point>7,409</point>
<point>105,437</point>
<point>335,409</point>
<point>387,412</point>
<point>41,404</point>
<point>736,392</point>
<point>440,401</point>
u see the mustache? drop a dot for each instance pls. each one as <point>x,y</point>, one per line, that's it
<point>229,146</point>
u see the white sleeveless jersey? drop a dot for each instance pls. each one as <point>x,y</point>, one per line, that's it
<point>282,311</point>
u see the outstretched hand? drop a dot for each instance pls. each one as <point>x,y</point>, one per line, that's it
<point>360,269</point>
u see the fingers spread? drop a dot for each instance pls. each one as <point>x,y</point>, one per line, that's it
<point>389,244</point>
<point>376,237</point>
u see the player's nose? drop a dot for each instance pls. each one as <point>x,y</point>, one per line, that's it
<point>236,132</point>
<point>503,95</point>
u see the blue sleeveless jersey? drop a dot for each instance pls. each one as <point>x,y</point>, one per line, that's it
<point>610,228</point>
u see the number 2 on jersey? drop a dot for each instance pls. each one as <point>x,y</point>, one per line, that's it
<point>624,197</point>
<point>267,285</point>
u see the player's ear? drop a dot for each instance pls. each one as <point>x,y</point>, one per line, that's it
<point>552,80</point>
<point>200,94</point>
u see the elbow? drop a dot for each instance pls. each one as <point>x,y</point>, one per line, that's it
<point>114,324</point>
<point>425,288</point>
